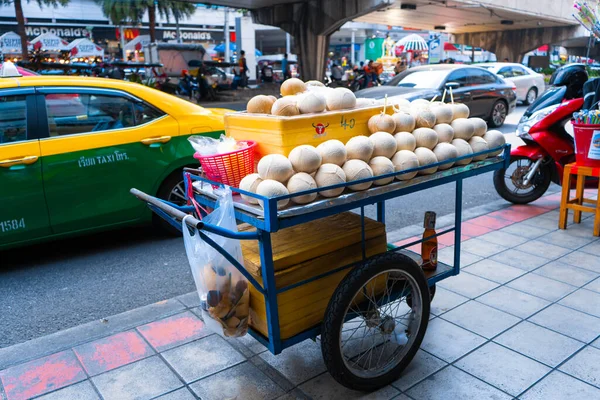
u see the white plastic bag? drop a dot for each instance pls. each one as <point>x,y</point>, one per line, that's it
<point>223,290</point>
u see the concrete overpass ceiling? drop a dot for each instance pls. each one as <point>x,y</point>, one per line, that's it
<point>474,16</point>
<point>248,4</point>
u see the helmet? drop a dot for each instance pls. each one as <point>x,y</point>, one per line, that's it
<point>569,75</point>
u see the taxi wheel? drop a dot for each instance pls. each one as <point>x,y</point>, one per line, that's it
<point>173,191</point>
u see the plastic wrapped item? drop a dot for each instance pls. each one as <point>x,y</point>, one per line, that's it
<point>223,290</point>
<point>207,146</point>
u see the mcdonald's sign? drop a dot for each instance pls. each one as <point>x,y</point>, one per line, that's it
<point>129,33</point>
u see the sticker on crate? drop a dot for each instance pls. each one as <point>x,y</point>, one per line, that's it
<point>594,151</point>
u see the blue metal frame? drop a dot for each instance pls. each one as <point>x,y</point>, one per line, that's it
<point>271,223</point>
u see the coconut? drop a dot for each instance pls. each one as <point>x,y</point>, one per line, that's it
<point>443,152</point>
<point>424,118</point>
<point>479,125</point>
<point>460,111</point>
<point>445,132</point>
<point>270,188</point>
<point>340,99</point>
<point>384,144</point>
<point>356,170</point>
<point>463,128</point>
<point>399,102</point>
<point>426,157</point>
<point>478,144</point>
<point>276,167</point>
<point>332,152</point>
<point>381,166</point>
<point>404,160</point>
<point>381,123</point>
<point>425,137</point>
<point>420,103</point>
<point>314,83</point>
<point>292,86</point>
<point>443,113</point>
<point>363,102</point>
<point>285,106</point>
<point>249,183</point>
<point>305,158</point>
<point>405,141</point>
<point>463,148</point>
<point>311,102</point>
<point>300,182</point>
<point>260,105</point>
<point>327,175</point>
<point>405,122</point>
<point>273,98</point>
<point>494,139</point>
<point>359,148</point>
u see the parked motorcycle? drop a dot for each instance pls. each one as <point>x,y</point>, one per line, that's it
<point>547,132</point>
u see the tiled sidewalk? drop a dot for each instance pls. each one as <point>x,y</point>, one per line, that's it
<point>522,320</point>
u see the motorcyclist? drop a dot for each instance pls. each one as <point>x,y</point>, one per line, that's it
<point>184,82</point>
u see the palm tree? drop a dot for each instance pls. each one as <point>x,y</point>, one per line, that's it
<point>21,19</point>
<point>120,12</point>
<point>166,9</point>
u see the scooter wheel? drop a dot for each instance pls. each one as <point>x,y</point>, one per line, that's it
<point>509,182</point>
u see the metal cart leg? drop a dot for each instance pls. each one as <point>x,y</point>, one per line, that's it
<point>268,274</point>
<point>381,212</point>
<point>457,225</point>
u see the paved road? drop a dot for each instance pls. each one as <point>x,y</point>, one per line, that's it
<point>47,288</point>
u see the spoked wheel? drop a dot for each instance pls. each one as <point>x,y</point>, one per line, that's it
<point>173,191</point>
<point>509,183</point>
<point>498,114</point>
<point>370,333</point>
<point>530,96</point>
<point>432,289</point>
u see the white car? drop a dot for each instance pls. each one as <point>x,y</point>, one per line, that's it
<point>529,83</point>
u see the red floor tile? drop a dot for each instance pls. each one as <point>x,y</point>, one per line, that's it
<point>518,213</point>
<point>491,223</point>
<point>112,352</point>
<point>447,239</point>
<point>472,230</point>
<point>41,376</point>
<point>173,331</point>
<point>406,241</point>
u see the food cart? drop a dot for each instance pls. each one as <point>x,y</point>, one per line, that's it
<point>375,310</point>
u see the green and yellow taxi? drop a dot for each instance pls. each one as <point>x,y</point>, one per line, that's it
<point>72,147</point>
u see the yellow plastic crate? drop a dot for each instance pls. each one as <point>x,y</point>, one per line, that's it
<point>279,135</point>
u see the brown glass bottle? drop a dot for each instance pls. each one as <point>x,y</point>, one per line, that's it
<point>429,247</point>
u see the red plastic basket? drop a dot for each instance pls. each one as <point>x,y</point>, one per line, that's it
<point>585,145</point>
<point>229,168</point>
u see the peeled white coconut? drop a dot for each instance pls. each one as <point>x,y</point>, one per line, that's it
<point>299,183</point>
<point>363,102</point>
<point>249,183</point>
<point>314,83</point>
<point>311,102</point>
<point>356,170</point>
<point>463,148</point>
<point>285,106</point>
<point>426,157</point>
<point>381,166</point>
<point>424,118</point>
<point>443,152</point>
<point>479,125</point>
<point>381,123</point>
<point>292,86</point>
<point>276,167</point>
<point>305,158</point>
<point>460,111</point>
<point>340,99</point>
<point>494,139</point>
<point>260,104</point>
<point>405,141</point>
<point>327,175</point>
<point>420,103</point>
<point>425,137</point>
<point>443,112</point>
<point>404,160</point>
<point>445,132</point>
<point>332,152</point>
<point>359,148</point>
<point>399,102</point>
<point>478,144</point>
<point>405,122</point>
<point>463,128</point>
<point>271,188</point>
<point>384,144</point>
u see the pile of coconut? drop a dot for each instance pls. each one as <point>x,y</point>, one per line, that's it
<point>418,134</point>
<point>305,98</point>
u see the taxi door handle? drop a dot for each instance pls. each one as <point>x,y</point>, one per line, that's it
<point>18,161</point>
<point>156,139</point>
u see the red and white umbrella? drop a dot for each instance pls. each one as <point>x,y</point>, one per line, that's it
<point>412,42</point>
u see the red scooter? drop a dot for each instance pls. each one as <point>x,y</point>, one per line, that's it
<point>548,144</point>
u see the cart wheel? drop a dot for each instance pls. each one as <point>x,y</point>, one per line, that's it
<point>431,295</point>
<point>369,333</point>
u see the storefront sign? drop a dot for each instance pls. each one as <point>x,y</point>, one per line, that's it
<point>66,32</point>
<point>11,43</point>
<point>186,35</point>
